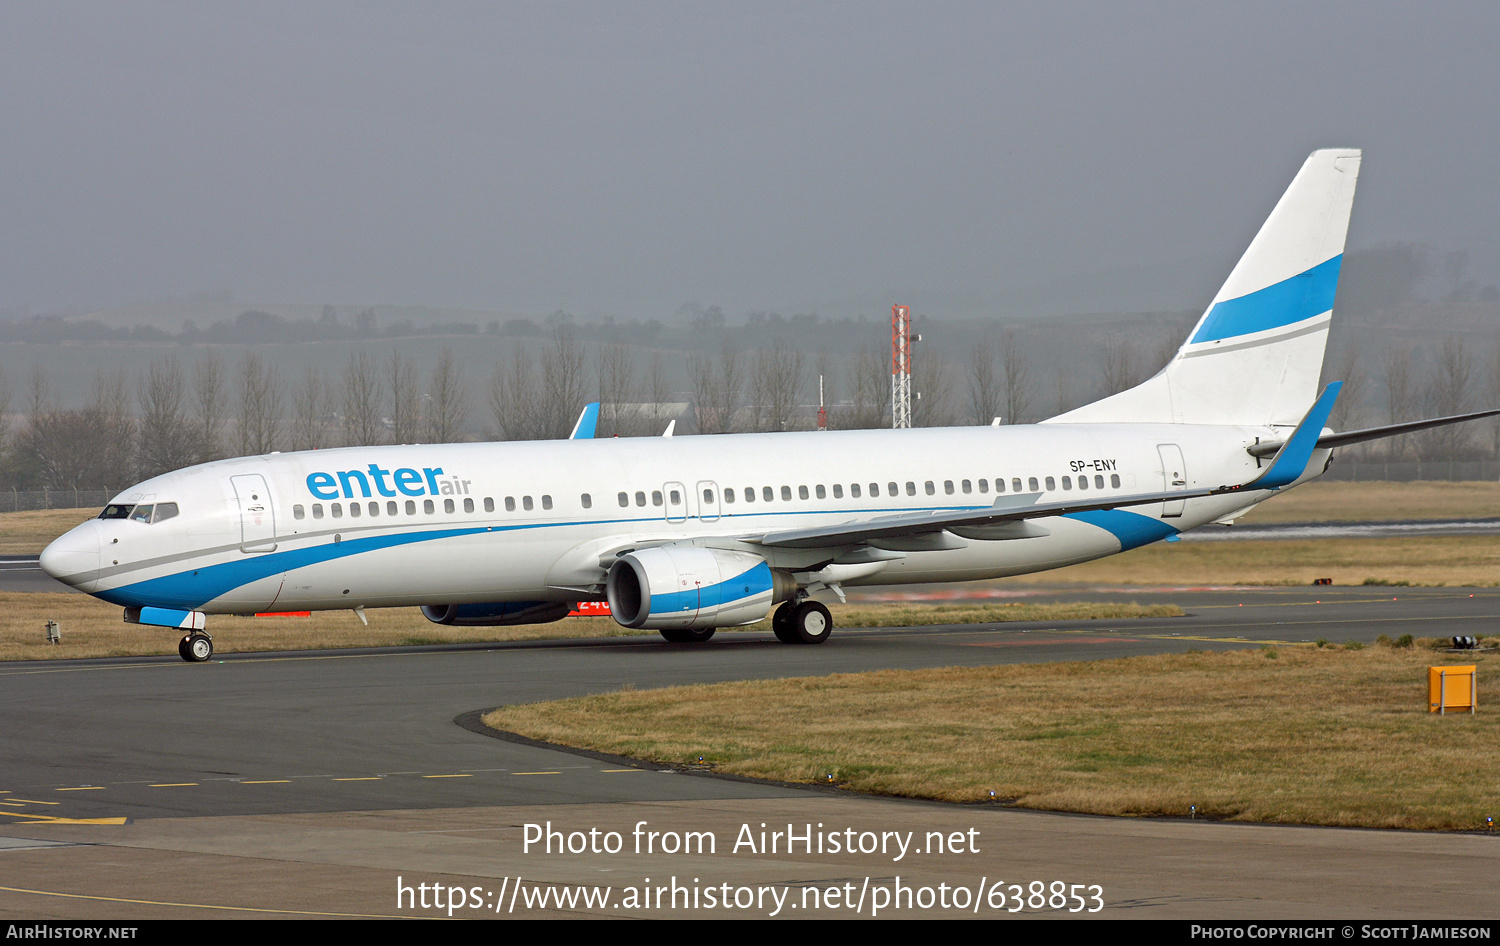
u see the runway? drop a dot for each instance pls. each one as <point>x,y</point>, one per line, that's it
<point>254,774</point>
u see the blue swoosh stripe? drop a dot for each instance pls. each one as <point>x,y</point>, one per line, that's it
<point>1131,528</point>
<point>1291,300</point>
<point>756,580</point>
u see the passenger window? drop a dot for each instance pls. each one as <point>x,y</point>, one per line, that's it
<point>624,500</point>
<point>786,494</point>
<point>967,487</point>
<point>1099,481</point>
<point>656,497</point>
<point>911,488</point>
<point>821,492</point>
<point>802,492</point>
<point>1051,483</point>
<point>1067,483</point>
<point>640,498</point>
<point>766,494</point>
<point>948,487</point>
<point>337,509</point>
<point>489,504</point>
<point>729,495</point>
<point>587,500</point>
<point>676,498</point>
<point>1114,480</point>
<point>984,486</point>
<point>546,501</point>
<point>391,508</point>
<point>141,513</point>
<point>525,503</point>
<point>428,507</point>
<point>749,494</point>
<point>510,504</point>
<point>168,510</point>
<point>354,510</point>
<point>708,496</point>
<point>854,490</point>
<point>374,508</point>
<point>891,489</point>
<point>317,510</point>
<point>1083,482</point>
<point>411,507</point>
<point>931,490</point>
<point>448,506</point>
<point>838,491</point>
<point>298,512</point>
<point>468,505</point>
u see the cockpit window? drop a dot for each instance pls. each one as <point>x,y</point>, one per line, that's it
<point>141,513</point>
<point>164,511</point>
<point>116,511</point>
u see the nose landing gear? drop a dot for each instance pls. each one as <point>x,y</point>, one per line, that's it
<point>195,647</point>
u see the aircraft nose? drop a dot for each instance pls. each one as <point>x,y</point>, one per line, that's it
<point>73,557</point>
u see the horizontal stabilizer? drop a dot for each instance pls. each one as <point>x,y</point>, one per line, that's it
<point>1267,447</point>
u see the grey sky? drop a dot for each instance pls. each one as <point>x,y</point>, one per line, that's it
<point>612,158</point>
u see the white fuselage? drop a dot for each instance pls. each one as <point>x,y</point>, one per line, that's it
<point>540,521</point>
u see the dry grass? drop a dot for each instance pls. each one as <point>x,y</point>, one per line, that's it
<point>1358,502</point>
<point>92,628</point>
<point>1470,561</point>
<point>1297,735</point>
<point>27,533</point>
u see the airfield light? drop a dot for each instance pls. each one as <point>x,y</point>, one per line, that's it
<point>1193,811</point>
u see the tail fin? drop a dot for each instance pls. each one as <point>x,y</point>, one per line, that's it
<point>1256,355</point>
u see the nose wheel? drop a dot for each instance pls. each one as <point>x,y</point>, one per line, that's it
<point>195,647</point>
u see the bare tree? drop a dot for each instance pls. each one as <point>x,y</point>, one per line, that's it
<point>447,401</point>
<point>716,389</point>
<point>92,448</point>
<point>362,396</point>
<point>210,406</point>
<point>1400,396</point>
<point>659,391</point>
<point>776,386</point>
<point>1121,369</point>
<point>310,412</point>
<point>616,390</point>
<point>1348,410</point>
<point>169,439</point>
<point>405,407</point>
<point>1493,392</point>
<point>260,407</point>
<point>869,391</point>
<point>564,383</point>
<point>1448,393</point>
<point>516,399</point>
<point>1017,379</point>
<point>984,382</point>
<point>932,385</point>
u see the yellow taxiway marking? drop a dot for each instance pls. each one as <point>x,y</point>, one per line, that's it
<point>50,819</point>
<point>269,781</point>
<point>536,773</point>
<point>175,785</point>
<point>81,788</point>
<point>461,775</point>
<point>208,906</point>
<point>366,778</point>
<point>30,801</point>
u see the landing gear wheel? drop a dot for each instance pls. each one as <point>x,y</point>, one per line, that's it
<point>196,648</point>
<point>687,635</point>
<point>811,623</point>
<point>781,623</point>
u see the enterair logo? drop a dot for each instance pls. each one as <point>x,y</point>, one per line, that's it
<point>403,482</point>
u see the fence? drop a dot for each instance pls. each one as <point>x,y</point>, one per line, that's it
<point>1404,471</point>
<point>21,500</point>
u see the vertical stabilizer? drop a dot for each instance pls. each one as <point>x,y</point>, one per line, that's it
<point>1256,355</point>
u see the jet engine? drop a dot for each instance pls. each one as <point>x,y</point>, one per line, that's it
<point>690,587</point>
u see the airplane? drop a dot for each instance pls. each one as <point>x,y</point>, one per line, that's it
<point>685,535</point>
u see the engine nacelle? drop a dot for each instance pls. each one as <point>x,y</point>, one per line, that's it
<point>688,587</point>
<point>496,614</point>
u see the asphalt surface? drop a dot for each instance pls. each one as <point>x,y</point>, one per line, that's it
<point>309,782</point>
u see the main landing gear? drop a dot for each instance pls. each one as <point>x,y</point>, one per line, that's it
<point>195,647</point>
<point>802,622</point>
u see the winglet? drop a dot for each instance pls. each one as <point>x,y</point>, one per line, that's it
<point>1291,460</point>
<point>587,421</point>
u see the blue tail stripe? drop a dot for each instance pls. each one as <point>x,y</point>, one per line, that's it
<point>1291,300</point>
